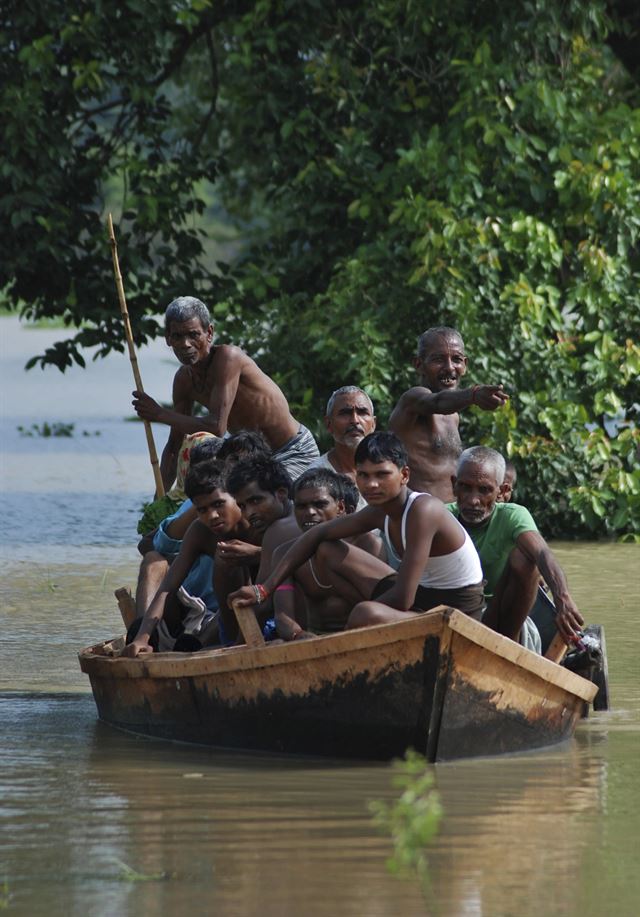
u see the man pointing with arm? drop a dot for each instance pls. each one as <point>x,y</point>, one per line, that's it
<point>426,416</point>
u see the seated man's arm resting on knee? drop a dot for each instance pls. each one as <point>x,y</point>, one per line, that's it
<point>173,579</point>
<point>306,545</point>
<point>568,620</point>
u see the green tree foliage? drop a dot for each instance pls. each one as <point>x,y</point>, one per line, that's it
<point>94,105</point>
<point>395,166</point>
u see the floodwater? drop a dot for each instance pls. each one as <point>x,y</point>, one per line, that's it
<point>96,822</point>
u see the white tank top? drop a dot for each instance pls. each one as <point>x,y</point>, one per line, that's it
<point>449,571</point>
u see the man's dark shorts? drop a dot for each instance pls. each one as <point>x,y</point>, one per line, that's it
<point>468,599</point>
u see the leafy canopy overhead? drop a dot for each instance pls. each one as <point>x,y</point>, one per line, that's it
<point>391,167</point>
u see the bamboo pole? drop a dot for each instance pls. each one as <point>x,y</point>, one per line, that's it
<point>153,455</point>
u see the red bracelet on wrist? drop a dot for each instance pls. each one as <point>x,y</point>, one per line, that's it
<point>261,593</point>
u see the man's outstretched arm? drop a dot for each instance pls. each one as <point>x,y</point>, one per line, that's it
<point>422,401</point>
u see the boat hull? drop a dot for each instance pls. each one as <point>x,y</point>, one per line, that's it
<point>439,682</point>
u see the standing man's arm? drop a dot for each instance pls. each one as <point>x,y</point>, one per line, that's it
<point>423,402</point>
<point>568,619</point>
<point>225,380</point>
<point>227,369</point>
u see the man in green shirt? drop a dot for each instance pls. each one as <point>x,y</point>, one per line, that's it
<point>512,551</point>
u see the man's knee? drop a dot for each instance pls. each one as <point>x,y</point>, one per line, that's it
<point>153,563</point>
<point>364,614</point>
<point>151,558</point>
<point>330,554</point>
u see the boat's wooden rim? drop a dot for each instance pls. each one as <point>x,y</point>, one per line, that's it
<point>550,671</point>
<point>94,660</point>
<point>238,658</point>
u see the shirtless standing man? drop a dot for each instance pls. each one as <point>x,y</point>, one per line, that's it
<point>222,378</point>
<point>426,419</point>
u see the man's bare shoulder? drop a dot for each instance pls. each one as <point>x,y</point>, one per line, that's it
<point>201,538</point>
<point>413,401</point>
<point>280,531</point>
<point>426,506</point>
<point>231,353</point>
<point>283,547</point>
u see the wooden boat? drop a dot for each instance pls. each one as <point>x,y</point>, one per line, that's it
<point>439,682</point>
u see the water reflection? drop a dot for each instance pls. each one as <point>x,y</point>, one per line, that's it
<point>84,800</point>
<point>267,835</point>
<point>502,824</point>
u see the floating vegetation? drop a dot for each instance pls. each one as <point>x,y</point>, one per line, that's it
<point>128,874</point>
<point>58,429</point>
<point>413,820</point>
<point>47,582</point>
<point>5,895</point>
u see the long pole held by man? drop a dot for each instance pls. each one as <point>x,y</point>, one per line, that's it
<point>133,358</point>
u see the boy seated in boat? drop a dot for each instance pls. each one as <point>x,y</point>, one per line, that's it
<point>513,552</point>
<point>167,624</point>
<point>262,489</point>
<point>303,604</point>
<point>432,562</point>
<point>163,544</point>
<point>232,388</point>
<point>167,539</point>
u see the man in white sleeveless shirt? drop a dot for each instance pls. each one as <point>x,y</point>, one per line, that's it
<point>436,562</point>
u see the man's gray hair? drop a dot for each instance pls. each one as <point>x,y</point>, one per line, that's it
<point>488,458</point>
<point>184,308</point>
<point>346,390</point>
